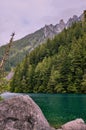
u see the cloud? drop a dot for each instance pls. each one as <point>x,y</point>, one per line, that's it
<point>26,16</point>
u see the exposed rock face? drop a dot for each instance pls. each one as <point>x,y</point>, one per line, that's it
<point>51,30</point>
<point>77,124</point>
<point>21,113</point>
<point>72,20</point>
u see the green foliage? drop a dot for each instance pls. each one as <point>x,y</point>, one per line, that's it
<point>83,84</point>
<point>4,85</point>
<point>1,98</point>
<point>58,66</point>
<point>22,47</point>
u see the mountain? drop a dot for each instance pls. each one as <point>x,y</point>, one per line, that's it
<point>26,44</point>
<point>58,66</point>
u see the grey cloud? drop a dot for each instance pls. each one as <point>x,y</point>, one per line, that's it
<point>26,16</point>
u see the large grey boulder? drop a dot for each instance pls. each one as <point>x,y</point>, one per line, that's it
<point>21,113</point>
<point>77,124</point>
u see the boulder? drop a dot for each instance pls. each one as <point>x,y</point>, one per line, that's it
<point>77,124</point>
<point>21,113</point>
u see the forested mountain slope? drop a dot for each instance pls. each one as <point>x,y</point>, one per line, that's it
<point>25,45</point>
<point>58,66</point>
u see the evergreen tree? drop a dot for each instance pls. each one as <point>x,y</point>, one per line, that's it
<point>58,66</point>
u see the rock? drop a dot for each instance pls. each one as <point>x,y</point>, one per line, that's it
<point>22,113</point>
<point>7,95</point>
<point>10,75</point>
<point>77,124</point>
<point>72,20</point>
<point>62,24</point>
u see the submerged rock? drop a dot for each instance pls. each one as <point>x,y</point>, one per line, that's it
<point>21,113</point>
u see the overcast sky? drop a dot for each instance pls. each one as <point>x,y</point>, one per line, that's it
<point>26,16</point>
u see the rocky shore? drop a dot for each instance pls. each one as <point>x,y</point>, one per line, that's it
<point>22,113</point>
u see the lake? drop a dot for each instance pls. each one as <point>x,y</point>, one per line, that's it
<point>61,108</point>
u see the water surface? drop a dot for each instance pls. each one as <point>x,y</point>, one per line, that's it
<point>61,108</point>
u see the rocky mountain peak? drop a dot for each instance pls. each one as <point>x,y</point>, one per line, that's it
<point>75,17</point>
<point>51,30</point>
<point>62,24</point>
<point>72,20</point>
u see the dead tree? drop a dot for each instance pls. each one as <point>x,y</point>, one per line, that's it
<point>6,54</point>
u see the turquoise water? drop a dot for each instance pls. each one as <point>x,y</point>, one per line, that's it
<point>61,108</point>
